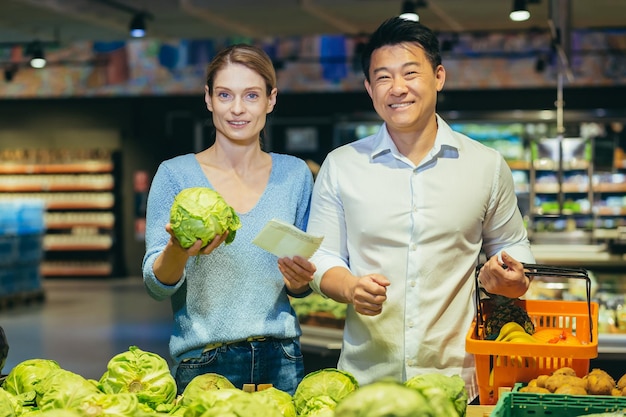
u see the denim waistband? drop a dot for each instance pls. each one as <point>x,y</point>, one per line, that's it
<point>216,345</point>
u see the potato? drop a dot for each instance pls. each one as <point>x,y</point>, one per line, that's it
<point>616,392</point>
<point>565,371</point>
<point>534,390</point>
<point>621,383</point>
<point>532,383</point>
<point>599,384</point>
<point>555,381</point>
<point>570,390</point>
<point>541,380</point>
<point>601,373</point>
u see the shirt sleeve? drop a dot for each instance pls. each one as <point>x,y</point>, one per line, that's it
<point>504,228</point>
<point>304,207</point>
<point>327,219</point>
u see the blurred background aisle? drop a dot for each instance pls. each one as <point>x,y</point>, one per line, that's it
<point>83,323</point>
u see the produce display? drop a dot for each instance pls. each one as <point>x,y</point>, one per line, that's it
<point>317,310</point>
<point>202,213</point>
<point>565,381</point>
<point>139,384</point>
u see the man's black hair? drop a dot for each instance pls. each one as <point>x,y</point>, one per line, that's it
<point>399,30</point>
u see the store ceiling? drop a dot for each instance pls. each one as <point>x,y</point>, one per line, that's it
<point>63,21</point>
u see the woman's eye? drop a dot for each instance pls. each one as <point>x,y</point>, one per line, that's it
<point>222,95</point>
<point>252,96</point>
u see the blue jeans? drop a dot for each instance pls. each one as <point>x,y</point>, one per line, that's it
<point>273,361</point>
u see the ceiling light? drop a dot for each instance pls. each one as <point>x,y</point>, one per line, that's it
<point>138,26</point>
<point>38,59</point>
<point>409,9</point>
<point>520,12</point>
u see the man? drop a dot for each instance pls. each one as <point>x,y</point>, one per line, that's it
<point>406,214</point>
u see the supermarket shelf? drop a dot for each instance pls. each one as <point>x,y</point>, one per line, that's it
<point>75,167</point>
<point>68,225</point>
<point>67,269</point>
<point>12,188</point>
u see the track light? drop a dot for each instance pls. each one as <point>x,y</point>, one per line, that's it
<point>138,26</point>
<point>38,59</point>
<point>409,9</point>
<point>520,12</point>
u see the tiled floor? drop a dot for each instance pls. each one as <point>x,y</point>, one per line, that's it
<point>83,323</point>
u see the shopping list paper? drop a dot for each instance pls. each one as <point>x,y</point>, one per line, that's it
<point>285,240</point>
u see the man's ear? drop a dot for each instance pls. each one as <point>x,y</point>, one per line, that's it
<point>440,77</point>
<point>368,87</point>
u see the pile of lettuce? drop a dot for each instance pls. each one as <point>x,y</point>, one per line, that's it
<point>137,383</point>
<point>200,213</point>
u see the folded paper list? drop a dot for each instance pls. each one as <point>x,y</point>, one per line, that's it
<point>285,240</point>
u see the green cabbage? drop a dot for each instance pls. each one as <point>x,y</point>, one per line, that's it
<point>431,385</point>
<point>145,374</point>
<point>64,389</point>
<point>7,404</point>
<point>110,405</point>
<point>323,389</point>
<point>25,375</point>
<point>280,399</point>
<point>201,213</point>
<point>203,383</point>
<point>230,402</point>
<point>385,398</point>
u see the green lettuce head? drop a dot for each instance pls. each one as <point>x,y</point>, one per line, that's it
<point>231,402</point>
<point>142,373</point>
<point>322,389</point>
<point>439,387</point>
<point>25,375</point>
<point>383,399</point>
<point>64,389</point>
<point>201,213</point>
<point>200,384</point>
<point>279,398</point>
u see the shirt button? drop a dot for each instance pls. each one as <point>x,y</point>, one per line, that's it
<point>413,283</point>
<point>413,246</point>
<point>410,323</point>
<point>414,208</point>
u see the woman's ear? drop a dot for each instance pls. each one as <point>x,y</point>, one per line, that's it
<point>207,98</point>
<point>271,102</point>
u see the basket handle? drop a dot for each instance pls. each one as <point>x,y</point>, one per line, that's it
<point>535,270</point>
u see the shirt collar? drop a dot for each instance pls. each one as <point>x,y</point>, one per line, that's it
<point>445,139</point>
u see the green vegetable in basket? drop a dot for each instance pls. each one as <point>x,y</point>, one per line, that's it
<point>201,213</point>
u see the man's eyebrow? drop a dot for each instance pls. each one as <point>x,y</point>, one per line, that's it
<point>407,64</point>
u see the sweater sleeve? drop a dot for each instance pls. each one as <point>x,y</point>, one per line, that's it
<point>160,198</point>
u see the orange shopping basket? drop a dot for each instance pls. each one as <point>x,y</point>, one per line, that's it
<point>502,364</point>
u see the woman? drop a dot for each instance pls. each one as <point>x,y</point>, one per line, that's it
<point>232,314</point>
